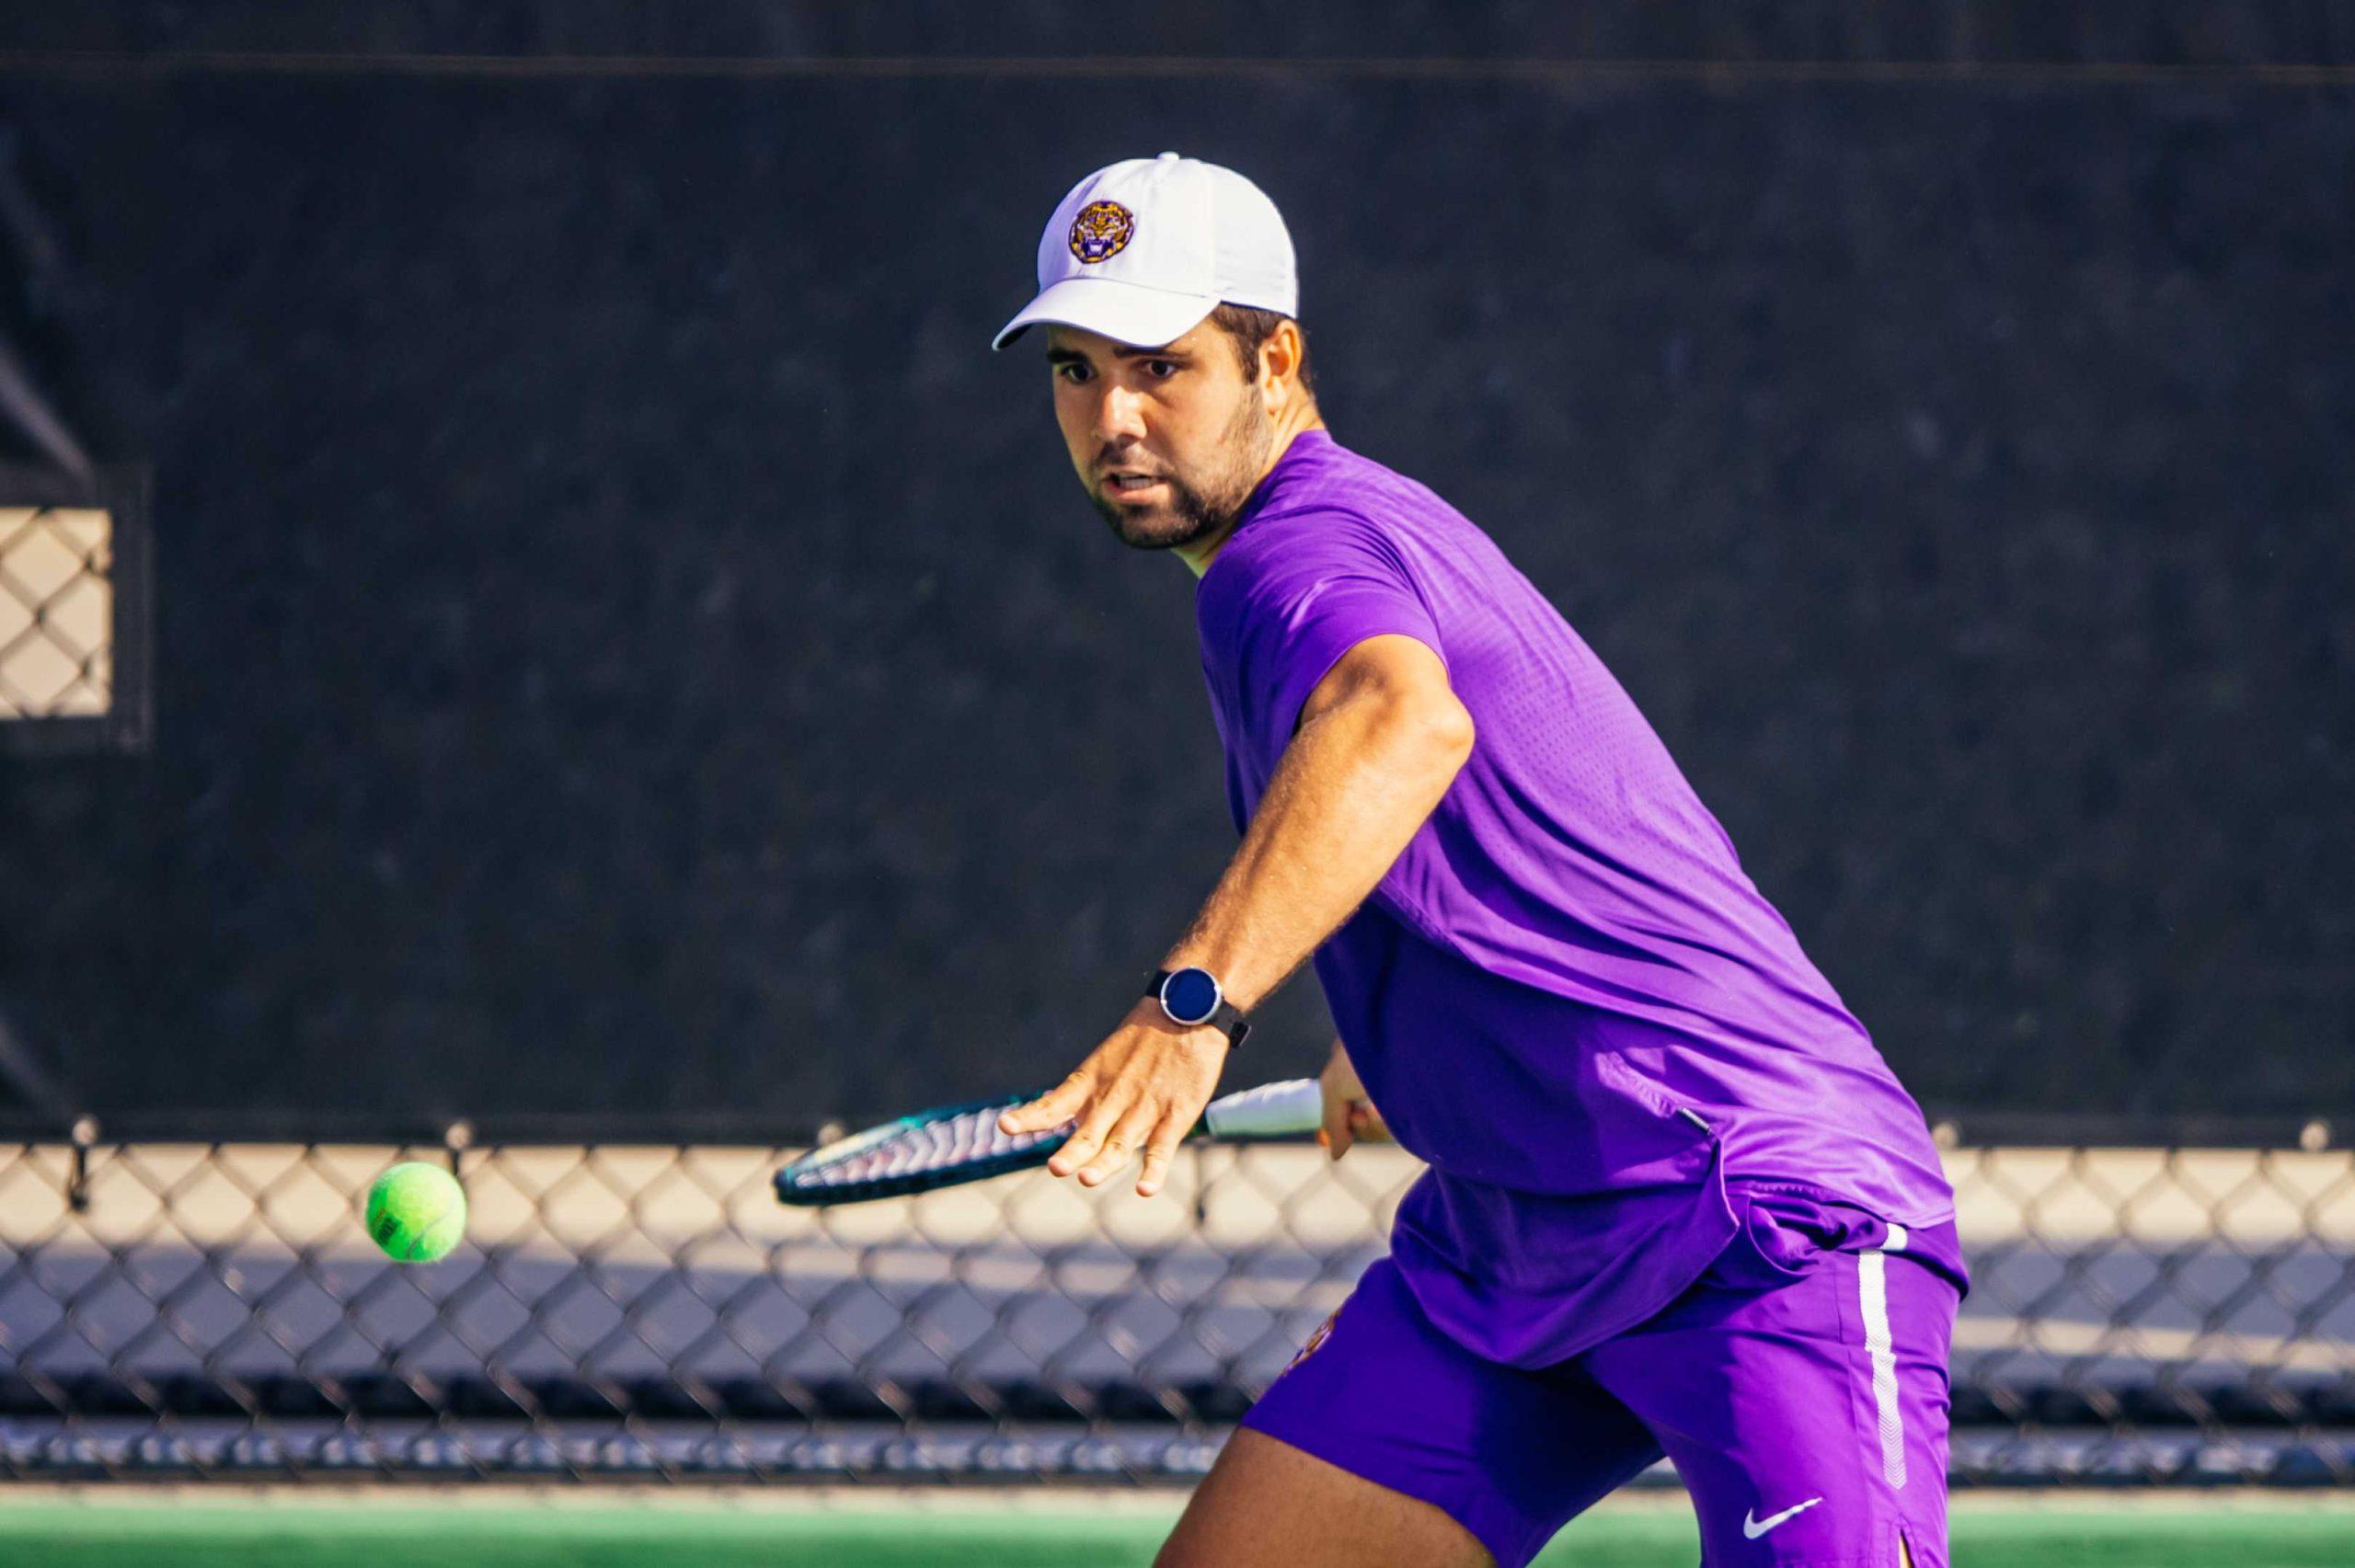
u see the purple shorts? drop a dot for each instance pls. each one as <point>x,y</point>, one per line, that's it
<point>1805,1412</point>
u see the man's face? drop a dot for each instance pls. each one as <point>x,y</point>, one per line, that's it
<point>1169,441</point>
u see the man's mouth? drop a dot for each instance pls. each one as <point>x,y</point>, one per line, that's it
<point>1129,481</point>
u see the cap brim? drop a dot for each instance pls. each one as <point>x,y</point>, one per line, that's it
<point>1126,312</point>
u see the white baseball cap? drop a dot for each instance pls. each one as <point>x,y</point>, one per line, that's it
<point>1143,249</point>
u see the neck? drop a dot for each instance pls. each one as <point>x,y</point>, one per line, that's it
<point>1202,552</point>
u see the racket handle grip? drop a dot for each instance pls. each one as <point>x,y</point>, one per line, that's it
<point>1273,1110</point>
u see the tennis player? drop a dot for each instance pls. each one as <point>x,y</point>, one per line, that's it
<point>1677,1203</point>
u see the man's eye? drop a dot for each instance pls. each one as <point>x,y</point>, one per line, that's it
<point>1069,372</point>
<point>1161,370</point>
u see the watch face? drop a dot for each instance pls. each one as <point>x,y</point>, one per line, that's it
<point>1190,996</point>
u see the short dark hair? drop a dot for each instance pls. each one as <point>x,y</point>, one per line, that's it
<point>1250,328</point>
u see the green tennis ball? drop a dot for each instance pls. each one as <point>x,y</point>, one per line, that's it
<point>417,1212</point>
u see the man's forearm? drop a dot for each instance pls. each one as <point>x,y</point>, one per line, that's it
<point>1380,740</point>
<point>1348,793</point>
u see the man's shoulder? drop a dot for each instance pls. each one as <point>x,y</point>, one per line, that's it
<point>1339,479</point>
<point>1344,516</point>
<point>1343,502</point>
<point>1288,556</point>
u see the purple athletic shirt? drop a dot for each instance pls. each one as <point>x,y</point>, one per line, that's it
<point>1565,995</point>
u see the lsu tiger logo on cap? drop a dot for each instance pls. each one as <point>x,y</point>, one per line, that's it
<point>1101,231</point>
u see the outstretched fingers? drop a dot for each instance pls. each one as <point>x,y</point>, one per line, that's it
<point>1053,1108</point>
<point>1158,1151</point>
<point>1121,1145</point>
<point>1137,1095</point>
<point>1094,1122</point>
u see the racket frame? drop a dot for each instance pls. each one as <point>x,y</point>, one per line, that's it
<point>797,1194</point>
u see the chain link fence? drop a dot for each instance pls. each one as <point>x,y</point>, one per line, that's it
<point>73,599</point>
<point>57,611</point>
<point>2165,1315</point>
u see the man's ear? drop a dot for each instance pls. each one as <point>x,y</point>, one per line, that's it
<point>1279,360</point>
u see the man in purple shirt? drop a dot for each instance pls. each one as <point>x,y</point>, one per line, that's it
<point>1677,1204</point>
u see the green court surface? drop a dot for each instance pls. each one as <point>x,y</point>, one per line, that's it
<point>93,1527</point>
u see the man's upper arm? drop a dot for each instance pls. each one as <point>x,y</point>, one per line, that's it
<point>1399,669</point>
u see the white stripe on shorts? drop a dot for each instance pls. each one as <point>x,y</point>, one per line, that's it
<point>1872,1279</point>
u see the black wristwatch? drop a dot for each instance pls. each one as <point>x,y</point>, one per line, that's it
<point>1192,997</point>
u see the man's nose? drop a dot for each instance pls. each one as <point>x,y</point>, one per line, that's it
<point>1120,416</point>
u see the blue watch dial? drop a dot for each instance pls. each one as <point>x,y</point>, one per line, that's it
<point>1190,996</point>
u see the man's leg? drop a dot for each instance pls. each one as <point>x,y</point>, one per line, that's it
<point>1387,1443</point>
<point>1808,1421</point>
<point>1267,1505</point>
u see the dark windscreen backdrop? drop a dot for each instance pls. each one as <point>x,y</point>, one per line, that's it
<point>624,647</point>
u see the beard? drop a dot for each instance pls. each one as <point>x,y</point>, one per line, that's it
<point>1200,504</point>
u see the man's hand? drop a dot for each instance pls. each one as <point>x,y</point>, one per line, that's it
<point>1143,1089</point>
<point>1349,1116</point>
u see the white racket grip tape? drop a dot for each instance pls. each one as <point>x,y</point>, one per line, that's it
<point>1273,1110</point>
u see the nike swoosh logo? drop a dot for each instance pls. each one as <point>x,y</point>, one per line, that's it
<point>1752,1528</point>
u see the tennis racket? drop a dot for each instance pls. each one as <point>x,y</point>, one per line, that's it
<point>956,1144</point>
